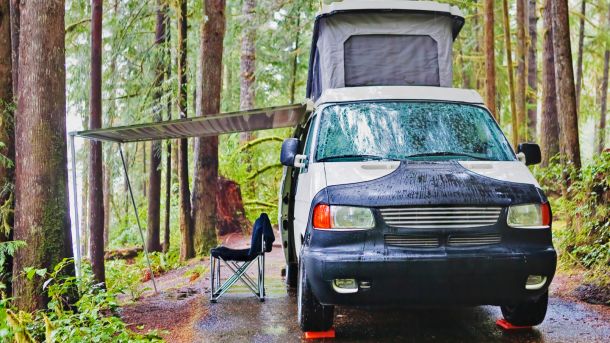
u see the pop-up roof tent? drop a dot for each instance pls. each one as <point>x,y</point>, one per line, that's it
<point>383,43</point>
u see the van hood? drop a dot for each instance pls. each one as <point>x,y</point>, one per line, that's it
<point>412,183</point>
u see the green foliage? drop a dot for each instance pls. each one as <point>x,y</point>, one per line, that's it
<point>254,166</point>
<point>126,277</point>
<point>585,206</point>
<point>91,318</point>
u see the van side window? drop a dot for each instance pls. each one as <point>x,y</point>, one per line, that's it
<point>308,142</point>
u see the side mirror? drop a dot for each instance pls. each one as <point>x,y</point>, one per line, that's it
<point>531,152</point>
<point>290,148</point>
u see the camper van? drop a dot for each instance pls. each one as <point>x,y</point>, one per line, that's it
<point>399,190</point>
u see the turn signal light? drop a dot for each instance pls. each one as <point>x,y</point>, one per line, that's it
<point>321,216</point>
<point>546,214</point>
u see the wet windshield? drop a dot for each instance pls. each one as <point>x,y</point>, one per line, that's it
<point>410,131</point>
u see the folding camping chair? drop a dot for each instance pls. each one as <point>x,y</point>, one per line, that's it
<point>240,260</point>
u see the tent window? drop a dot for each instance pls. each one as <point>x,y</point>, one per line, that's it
<point>391,60</point>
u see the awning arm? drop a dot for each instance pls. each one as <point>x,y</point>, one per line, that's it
<point>135,209</point>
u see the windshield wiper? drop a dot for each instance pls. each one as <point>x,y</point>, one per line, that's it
<point>446,153</point>
<point>364,157</point>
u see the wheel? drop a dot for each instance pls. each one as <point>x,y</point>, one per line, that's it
<point>292,275</point>
<point>313,316</point>
<point>528,313</point>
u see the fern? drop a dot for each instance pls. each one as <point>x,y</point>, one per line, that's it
<point>8,249</point>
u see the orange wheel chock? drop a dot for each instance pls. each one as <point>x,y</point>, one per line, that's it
<point>320,334</point>
<point>510,327</point>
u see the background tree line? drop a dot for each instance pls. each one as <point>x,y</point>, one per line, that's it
<point>541,65</point>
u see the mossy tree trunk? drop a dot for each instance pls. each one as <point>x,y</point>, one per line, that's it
<point>581,45</point>
<point>14,22</point>
<point>96,177</point>
<point>601,141</point>
<point>490,59</point>
<point>549,130</point>
<point>153,229</point>
<point>247,62</point>
<point>186,222</point>
<point>521,69</point>
<point>511,80</point>
<point>206,149</point>
<point>532,72</point>
<point>7,135</point>
<point>566,91</point>
<point>41,194</point>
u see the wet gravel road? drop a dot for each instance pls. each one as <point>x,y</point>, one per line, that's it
<point>240,317</point>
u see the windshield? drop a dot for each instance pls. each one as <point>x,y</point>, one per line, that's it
<point>410,131</point>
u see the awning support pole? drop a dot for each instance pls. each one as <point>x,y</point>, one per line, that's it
<point>77,253</point>
<point>135,209</point>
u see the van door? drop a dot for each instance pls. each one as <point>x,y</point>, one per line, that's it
<point>310,181</point>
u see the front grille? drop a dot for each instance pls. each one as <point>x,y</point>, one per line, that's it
<point>473,240</point>
<point>405,241</point>
<point>440,217</point>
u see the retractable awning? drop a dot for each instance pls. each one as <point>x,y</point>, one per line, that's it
<point>259,119</point>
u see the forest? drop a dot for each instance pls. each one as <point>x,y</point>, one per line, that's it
<point>542,67</point>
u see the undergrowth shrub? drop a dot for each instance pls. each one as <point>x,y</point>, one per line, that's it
<point>92,318</point>
<point>586,208</point>
<point>126,277</point>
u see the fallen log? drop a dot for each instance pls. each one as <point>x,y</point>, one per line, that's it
<point>122,254</point>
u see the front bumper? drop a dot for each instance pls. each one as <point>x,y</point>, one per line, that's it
<point>493,276</point>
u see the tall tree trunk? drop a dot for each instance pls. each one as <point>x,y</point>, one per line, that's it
<point>549,129</point>
<point>84,223</point>
<point>532,72</point>
<point>601,142</point>
<point>14,14</point>
<point>168,156</point>
<point>295,57</point>
<point>206,149</point>
<point>581,44</point>
<point>490,59</point>
<point>476,64</point>
<point>7,133</point>
<point>42,218</point>
<point>126,199</point>
<point>107,195</point>
<point>168,195</point>
<point>154,191</point>
<point>566,91</point>
<point>186,221</point>
<point>96,179</point>
<point>511,81</point>
<point>521,70</point>
<point>144,183</point>
<point>466,84</point>
<point>248,62</point>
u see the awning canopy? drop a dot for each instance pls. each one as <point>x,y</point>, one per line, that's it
<point>260,119</point>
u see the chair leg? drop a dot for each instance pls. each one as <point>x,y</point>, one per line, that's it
<point>217,273</point>
<point>212,279</point>
<point>239,274</point>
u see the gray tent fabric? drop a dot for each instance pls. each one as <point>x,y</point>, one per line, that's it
<point>340,60</point>
<point>391,60</point>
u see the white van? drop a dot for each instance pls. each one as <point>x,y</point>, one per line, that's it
<point>412,196</point>
<point>399,190</point>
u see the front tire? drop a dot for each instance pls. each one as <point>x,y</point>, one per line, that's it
<point>313,316</point>
<point>529,313</point>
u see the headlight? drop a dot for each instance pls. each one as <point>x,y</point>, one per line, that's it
<point>342,217</point>
<point>529,216</point>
